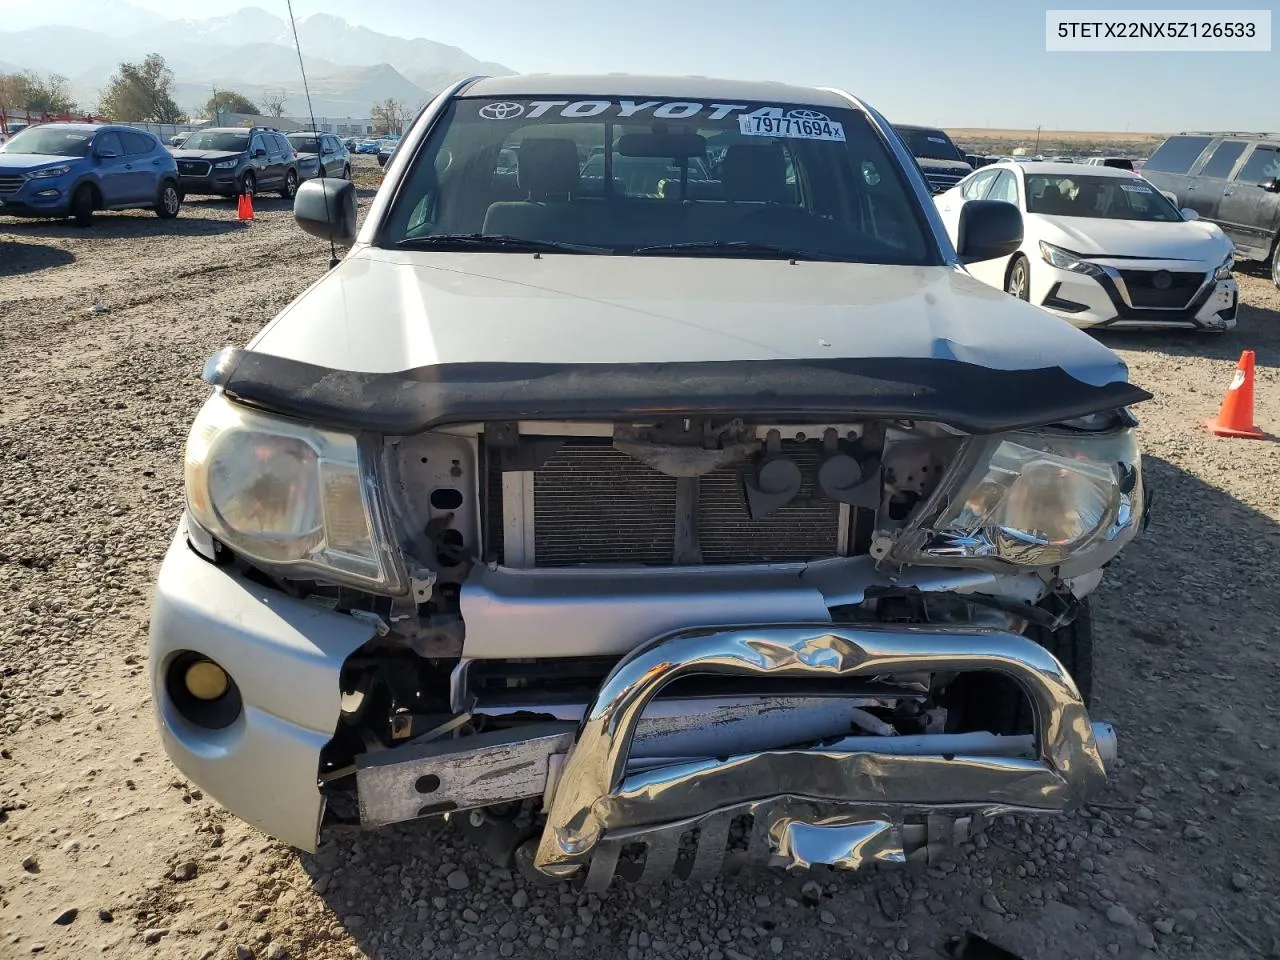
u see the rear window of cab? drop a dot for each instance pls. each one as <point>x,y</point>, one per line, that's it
<point>620,174</point>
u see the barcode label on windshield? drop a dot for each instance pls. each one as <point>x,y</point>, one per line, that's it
<point>816,127</point>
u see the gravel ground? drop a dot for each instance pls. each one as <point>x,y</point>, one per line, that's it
<point>105,850</point>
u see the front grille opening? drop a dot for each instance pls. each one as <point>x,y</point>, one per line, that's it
<point>595,505</point>
<point>1161,289</point>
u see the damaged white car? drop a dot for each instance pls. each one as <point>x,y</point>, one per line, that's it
<point>693,511</point>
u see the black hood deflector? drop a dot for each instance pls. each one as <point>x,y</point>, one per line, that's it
<point>969,397</point>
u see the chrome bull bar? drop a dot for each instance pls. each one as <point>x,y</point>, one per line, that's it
<point>841,807</point>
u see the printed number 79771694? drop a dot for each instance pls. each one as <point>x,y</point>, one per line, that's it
<point>805,129</point>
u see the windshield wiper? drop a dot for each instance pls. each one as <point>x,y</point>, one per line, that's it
<point>489,241</point>
<point>737,246</point>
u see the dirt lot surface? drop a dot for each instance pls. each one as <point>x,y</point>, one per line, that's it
<point>106,851</point>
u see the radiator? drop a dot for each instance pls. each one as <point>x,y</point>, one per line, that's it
<point>593,504</point>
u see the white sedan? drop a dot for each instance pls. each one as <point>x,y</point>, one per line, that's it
<point>1102,247</point>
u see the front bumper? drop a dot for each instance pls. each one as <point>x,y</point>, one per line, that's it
<point>217,184</point>
<point>1090,302</point>
<point>38,198</point>
<point>844,801</point>
<point>285,656</point>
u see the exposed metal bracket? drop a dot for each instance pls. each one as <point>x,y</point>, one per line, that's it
<point>517,518</point>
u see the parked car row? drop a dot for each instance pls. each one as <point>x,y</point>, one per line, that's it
<point>73,170</point>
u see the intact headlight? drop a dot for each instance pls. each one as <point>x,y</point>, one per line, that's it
<point>1066,260</point>
<point>49,172</point>
<point>225,164</point>
<point>1032,499</point>
<point>1224,268</point>
<point>286,496</point>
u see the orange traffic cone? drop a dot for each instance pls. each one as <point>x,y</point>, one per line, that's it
<point>244,208</point>
<point>1235,419</point>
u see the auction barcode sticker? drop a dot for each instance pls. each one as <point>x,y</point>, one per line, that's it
<point>802,124</point>
<point>1158,31</point>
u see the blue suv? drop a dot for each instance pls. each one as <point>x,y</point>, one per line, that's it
<point>73,169</point>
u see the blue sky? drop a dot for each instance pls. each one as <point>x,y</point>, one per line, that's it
<point>977,63</point>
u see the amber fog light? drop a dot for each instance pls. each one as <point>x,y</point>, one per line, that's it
<point>202,691</point>
<point>205,680</point>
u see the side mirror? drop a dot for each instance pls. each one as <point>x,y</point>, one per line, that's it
<point>988,229</point>
<point>1271,185</point>
<point>326,207</point>
<point>1189,214</point>
<point>105,154</point>
<point>259,153</point>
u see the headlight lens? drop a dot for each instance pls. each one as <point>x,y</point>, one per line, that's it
<point>1037,500</point>
<point>1066,260</point>
<point>50,172</point>
<point>1225,268</point>
<point>225,164</point>
<point>286,496</point>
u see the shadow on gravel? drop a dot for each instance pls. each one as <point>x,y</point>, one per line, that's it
<point>17,258</point>
<point>261,201</point>
<point>122,226</point>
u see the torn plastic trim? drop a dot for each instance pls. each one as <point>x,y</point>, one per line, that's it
<point>595,797</point>
<point>968,396</point>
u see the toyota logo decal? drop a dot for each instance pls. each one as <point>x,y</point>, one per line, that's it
<point>501,111</point>
<point>807,115</point>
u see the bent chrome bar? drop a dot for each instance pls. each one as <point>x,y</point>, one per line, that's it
<point>593,796</point>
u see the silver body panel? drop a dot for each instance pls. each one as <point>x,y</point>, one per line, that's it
<point>285,656</point>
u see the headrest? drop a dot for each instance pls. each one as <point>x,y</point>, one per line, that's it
<point>752,171</point>
<point>548,166</point>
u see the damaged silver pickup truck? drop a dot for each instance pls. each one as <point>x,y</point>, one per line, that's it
<point>672,501</point>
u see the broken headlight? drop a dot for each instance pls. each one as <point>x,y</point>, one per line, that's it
<point>1032,499</point>
<point>290,498</point>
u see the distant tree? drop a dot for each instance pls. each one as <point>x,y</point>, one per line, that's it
<point>274,102</point>
<point>229,101</point>
<point>34,94</point>
<point>141,91</point>
<point>389,116</point>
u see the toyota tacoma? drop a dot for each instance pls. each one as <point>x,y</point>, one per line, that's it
<point>694,512</point>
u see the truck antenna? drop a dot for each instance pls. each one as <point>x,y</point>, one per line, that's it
<point>293,25</point>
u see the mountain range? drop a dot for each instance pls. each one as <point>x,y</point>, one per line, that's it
<point>349,68</point>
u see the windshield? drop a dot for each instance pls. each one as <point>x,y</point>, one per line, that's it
<point>50,141</point>
<point>304,144</point>
<point>1103,198</point>
<point>681,178</point>
<point>217,140</point>
<point>930,144</point>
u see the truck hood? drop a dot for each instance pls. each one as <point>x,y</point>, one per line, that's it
<point>1196,240</point>
<point>391,317</point>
